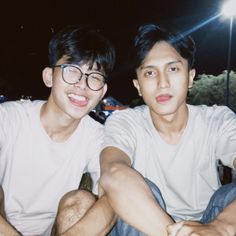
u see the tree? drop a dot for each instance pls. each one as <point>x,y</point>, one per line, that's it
<point>210,90</point>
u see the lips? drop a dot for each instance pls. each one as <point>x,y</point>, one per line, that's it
<point>78,100</point>
<point>163,98</point>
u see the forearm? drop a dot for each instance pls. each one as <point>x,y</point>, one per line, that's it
<point>225,222</point>
<point>133,201</point>
<point>98,220</point>
<point>6,229</point>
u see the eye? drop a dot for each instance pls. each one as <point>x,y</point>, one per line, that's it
<point>71,69</point>
<point>150,73</point>
<point>95,76</point>
<point>173,69</point>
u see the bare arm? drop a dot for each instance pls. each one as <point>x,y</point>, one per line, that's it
<point>129,195</point>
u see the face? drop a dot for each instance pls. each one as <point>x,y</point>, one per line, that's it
<point>163,80</point>
<point>72,101</point>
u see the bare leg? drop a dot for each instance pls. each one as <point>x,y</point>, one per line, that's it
<point>72,208</point>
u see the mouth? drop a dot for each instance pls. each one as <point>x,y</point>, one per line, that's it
<point>78,100</point>
<point>163,98</point>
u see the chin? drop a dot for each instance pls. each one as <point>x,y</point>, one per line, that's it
<point>165,112</point>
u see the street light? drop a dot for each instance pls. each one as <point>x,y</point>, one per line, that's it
<point>229,10</point>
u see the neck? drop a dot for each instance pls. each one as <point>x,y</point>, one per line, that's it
<point>59,127</point>
<point>171,127</point>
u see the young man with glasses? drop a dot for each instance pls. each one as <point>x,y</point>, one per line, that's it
<point>46,146</point>
<point>159,164</point>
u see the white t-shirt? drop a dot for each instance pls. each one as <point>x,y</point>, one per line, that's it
<point>186,173</point>
<point>35,172</point>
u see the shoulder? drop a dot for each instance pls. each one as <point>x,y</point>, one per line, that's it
<point>215,113</point>
<point>91,133</point>
<point>214,110</point>
<point>14,106</point>
<point>18,110</point>
<point>92,126</point>
<point>89,121</point>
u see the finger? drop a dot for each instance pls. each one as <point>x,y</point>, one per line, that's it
<point>174,228</point>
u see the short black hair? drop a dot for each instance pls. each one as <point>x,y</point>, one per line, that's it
<point>82,44</point>
<point>150,34</point>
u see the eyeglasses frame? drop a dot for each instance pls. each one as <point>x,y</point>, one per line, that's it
<point>63,66</point>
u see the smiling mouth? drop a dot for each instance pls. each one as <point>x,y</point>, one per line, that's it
<point>78,100</point>
<point>163,98</point>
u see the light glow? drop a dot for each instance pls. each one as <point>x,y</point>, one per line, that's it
<point>229,8</point>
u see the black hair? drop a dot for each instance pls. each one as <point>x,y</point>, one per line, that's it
<point>82,44</point>
<point>150,34</point>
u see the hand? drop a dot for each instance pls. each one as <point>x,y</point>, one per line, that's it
<point>191,228</point>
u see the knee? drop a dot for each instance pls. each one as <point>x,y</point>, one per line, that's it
<point>78,198</point>
<point>72,207</point>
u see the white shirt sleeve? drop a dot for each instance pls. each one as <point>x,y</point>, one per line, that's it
<point>226,140</point>
<point>120,132</point>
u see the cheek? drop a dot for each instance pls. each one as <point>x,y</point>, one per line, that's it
<point>180,82</point>
<point>181,89</point>
<point>57,82</point>
<point>96,97</point>
<point>148,85</point>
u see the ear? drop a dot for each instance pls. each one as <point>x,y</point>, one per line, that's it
<point>47,76</point>
<point>136,85</point>
<point>192,74</point>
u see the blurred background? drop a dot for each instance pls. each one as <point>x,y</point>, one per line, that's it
<point>27,26</point>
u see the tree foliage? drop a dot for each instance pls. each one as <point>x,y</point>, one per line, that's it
<point>210,90</point>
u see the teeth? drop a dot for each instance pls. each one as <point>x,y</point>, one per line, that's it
<point>77,97</point>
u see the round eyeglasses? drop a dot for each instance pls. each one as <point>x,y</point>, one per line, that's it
<point>72,74</point>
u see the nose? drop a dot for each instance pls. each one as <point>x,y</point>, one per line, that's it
<point>82,82</point>
<point>163,81</point>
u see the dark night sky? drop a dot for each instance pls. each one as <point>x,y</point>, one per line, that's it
<point>26,28</point>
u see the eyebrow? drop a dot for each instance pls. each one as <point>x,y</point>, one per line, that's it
<point>175,62</point>
<point>93,69</point>
<point>153,66</point>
